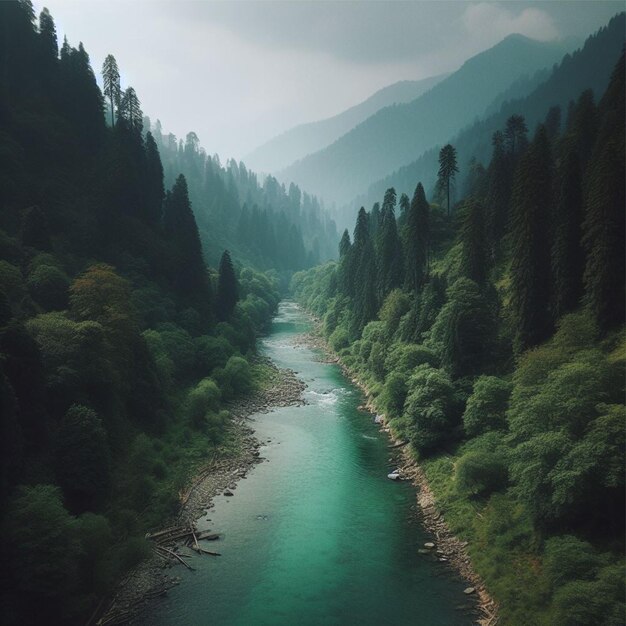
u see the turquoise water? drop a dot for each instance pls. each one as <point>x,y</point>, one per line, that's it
<point>317,535</point>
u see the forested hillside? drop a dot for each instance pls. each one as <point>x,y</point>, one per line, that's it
<point>394,136</point>
<point>585,69</point>
<point>491,335</point>
<point>119,347</point>
<point>304,139</point>
<point>234,209</point>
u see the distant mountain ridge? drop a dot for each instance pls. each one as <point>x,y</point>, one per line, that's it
<point>296,143</point>
<point>396,134</point>
<point>589,67</point>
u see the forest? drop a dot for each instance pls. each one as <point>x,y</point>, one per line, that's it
<point>124,329</point>
<point>483,313</point>
<point>490,332</point>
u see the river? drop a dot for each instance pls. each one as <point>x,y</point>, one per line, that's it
<point>316,535</point>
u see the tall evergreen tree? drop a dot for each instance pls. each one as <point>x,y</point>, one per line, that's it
<point>227,288</point>
<point>390,261</point>
<point>473,243</point>
<point>498,195</point>
<point>515,135</point>
<point>567,253</point>
<point>374,220</point>
<point>404,203</point>
<point>448,169</point>
<point>130,110</point>
<point>188,272</point>
<point>48,38</point>
<point>155,191</point>
<point>530,234</point>
<point>603,226</point>
<point>364,259</point>
<point>111,84</point>
<point>417,240</point>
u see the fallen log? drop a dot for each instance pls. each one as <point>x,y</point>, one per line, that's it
<point>200,550</point>
<point>397,445</point>
<point>176,556</point>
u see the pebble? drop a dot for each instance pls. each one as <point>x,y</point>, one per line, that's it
<point>469,590</point>
<point>429,544</point>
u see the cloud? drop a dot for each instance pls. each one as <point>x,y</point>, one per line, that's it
<point>492,22</point>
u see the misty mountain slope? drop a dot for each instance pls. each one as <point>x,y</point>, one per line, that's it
<point>394,135</point>
<point>295,143</point>
<point>588,68</point>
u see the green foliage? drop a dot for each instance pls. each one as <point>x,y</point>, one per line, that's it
<point>204,397</point>
<point>486,407</point>
<point>464,333</point>
<point>432,408</point>
<point>481,473</point>
<point>82,457</point>
<point>49,287</point>
<point>394,394</point>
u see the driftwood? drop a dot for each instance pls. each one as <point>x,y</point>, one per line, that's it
<point>397,445</point>
<point>207,536</point>
<point>200,550</point>
<point>176,556</point>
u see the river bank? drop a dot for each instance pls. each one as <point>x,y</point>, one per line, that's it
<point>152,578</point>
<point>449,548</point>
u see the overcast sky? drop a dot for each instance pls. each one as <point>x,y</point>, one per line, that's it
<point>238,73</point>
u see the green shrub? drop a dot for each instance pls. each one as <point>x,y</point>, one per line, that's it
<point>49,287</point>
<point>486,407</point>
<point>204,397</point>
<point>394,394</point>
<point>481,473</point>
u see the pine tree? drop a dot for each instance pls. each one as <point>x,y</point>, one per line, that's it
<point>48,38</point>
<point>567,252</point>
<point>530,235</point>
<point>374,220</point>
<point>364,259</point>
<point>390,261</point>
<point>447,170</point>
<point>111,84</point>
<point>515,135</point>
<point>603,226</point>
<point>130,110</point>
<point>155,191</point>
<point>227,288</point>
<point>498,195</point>
<point>188,272</point>
<point>473,243</point>
<point>417,240</point>
<point>404,203</point>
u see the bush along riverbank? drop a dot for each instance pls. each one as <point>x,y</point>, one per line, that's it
<point>491,335</point>
<point>178,538</point>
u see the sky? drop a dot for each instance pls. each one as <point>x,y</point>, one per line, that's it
<point>238,73</point>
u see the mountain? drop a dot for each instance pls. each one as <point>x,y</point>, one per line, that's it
<point>394,135</point>
<point>587,68</point>
<point>304,139</point>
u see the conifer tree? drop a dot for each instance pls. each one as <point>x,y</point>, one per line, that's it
<point>374,221</point>
<point>364,259</point>
<point>390,262</point>
<point>188,275</point>
<point>155,191</point>
<point>515,135</point>
<point>227,288</point>
<point>498,195</point>
<point>447,170</point>
<point>404,203</point>
<point>567,252</point>
<point>417,240</point>
<point>48,38</point>
<point>130,110</point>
<point>603,226</point>
<point>111,84</point>
<point>530,235</point>
<point>473,243</point>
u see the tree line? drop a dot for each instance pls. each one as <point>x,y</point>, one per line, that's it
<point>119,345</point>
<point>491,334</point>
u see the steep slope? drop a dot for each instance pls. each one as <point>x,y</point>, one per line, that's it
<point>396,134</point>
<point>281,151</point>
<point>587,68</point>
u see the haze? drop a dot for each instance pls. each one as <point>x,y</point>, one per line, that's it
<point>239,73</point>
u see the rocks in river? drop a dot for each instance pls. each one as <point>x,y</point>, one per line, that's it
<point>393,476</point>
<point>469,590</point>
<point>429,544</point>
<point>228,492</point>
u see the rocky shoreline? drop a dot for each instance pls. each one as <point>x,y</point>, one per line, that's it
<point>448,548</point>
<point>152,577</point>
